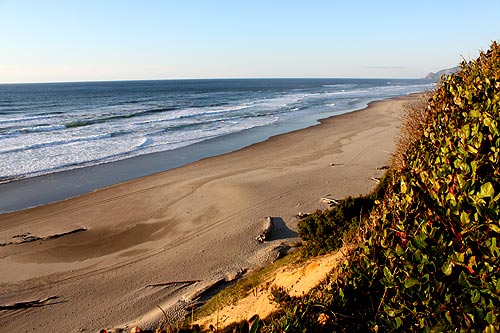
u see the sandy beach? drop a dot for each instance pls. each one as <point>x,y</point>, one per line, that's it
<point>108,258</point>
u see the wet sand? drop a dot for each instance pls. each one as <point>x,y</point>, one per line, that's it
<point>108,258</point>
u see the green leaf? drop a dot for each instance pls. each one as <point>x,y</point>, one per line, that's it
<point>490,329</point>
<point>388,274</point>
<point>487,121</point>
<point>471,149</point>
<point>471,318</point>
<point>493,128</point>
<point>494,227</point>
<point>447,268</point>
<point>450,197</point>
<point>462,280</point>
<point>464,218</point>
<point>404,188</point>
<point>492,244</point>
<point>458,257</point>
<point>487,191</point>
<point>490,317</point>
<point>473,166</point>
<point>476,296</point>
<point>410,282</point>
<point>475,113</point>
<point>419,242</point>
<point>399,250</point>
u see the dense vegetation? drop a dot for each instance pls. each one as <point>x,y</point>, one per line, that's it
<point>326,231</point>
<point>428,259</point>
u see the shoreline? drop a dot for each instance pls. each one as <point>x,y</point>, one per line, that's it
<point>109,257</point>
<point>22,193</point>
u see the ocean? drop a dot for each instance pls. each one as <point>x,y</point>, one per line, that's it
<point>50,128</point>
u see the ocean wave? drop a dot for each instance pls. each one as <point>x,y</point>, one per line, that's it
<point>129,102</point>
<point>51,143</point>
<point>28,129</point>
<point>49,159</point>
<point>341,86</point>
<point>41,128</point>
<point>21,119</point>
<point>93,121</point>
<point>195,113</point>
<point>174,140</point>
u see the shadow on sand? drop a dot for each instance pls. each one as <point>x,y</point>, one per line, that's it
<point>281,230</point>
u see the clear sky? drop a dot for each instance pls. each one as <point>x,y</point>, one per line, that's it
<point>81,40</point>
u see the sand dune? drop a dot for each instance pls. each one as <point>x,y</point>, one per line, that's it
<point>158,240</point>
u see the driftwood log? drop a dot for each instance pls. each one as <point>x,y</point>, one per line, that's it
<point>329,201</point>
<point>29,304</point>
<point>267,229</point>
<point>301,215</point>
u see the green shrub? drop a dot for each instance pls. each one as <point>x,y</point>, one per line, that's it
<point>326,231</point>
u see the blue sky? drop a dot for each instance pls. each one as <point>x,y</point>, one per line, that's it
<point>82,40</point>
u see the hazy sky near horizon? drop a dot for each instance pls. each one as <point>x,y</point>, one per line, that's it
<point>82,40</point>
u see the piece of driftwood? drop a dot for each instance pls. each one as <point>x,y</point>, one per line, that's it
<point>28,237</point>
<point>29,304</point>
<point>171,283</point>
<point>267,229</point>
<point>301,215</point>
<point>64,233</point>
<point>377,180</point>
<point>329,201</point>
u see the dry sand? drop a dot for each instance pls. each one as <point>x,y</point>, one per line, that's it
<point>296,279</point>
<point>108,258</point>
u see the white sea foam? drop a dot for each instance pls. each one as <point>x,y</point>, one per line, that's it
<point>48,158</point>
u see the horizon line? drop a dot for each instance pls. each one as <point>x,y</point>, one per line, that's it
<point>216,78</point>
